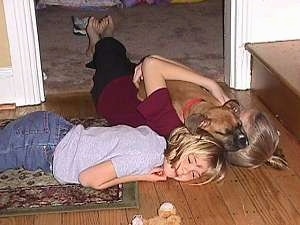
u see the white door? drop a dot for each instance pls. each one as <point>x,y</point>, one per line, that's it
<point>22,83</point>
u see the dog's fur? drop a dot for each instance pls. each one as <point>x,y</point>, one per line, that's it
<point>221,121</point>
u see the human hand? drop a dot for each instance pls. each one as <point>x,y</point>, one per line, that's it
<point>219,94</point>
<point>157,174</point>
<point>138,75</point>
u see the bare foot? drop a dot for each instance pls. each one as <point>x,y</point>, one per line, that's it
<point>109,30</point>
<point>94,30</point>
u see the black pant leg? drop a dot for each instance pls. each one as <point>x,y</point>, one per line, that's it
<point>110,61</point>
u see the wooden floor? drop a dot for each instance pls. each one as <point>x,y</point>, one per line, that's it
<point>260,196</point>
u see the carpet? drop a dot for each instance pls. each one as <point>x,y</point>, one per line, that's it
<point>25,192</point>
<point>188,33</point>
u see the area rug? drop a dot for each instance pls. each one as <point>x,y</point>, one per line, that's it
<point>25,192</point>
<point>189,33</point>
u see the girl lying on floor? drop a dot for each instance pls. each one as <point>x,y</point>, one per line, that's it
<point>101,157</point>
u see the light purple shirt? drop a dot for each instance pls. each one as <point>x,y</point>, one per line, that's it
<point>132,151</point>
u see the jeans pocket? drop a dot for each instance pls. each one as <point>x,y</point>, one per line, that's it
<point>39,157</point>
<point>33,123</point>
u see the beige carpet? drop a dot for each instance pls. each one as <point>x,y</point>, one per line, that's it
<point>189,33</point>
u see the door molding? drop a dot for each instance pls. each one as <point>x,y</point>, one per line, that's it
<point>237,32</point>
<point>6,72</point>
<point>27,79</point>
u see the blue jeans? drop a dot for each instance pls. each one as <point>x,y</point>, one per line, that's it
<point>30,141</point>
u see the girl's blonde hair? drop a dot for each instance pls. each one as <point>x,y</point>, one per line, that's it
<point>263,143</point>
<point>181,143</point>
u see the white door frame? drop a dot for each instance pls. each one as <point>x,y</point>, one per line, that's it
<point>26,80</point>
<point>237,32</point>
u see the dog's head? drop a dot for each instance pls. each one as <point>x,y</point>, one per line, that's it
<point>223,123</point>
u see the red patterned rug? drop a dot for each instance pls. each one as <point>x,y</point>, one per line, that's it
<point>31,192</point>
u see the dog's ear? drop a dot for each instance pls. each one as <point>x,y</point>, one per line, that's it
<point>233,105</point>
<point>196,121</point>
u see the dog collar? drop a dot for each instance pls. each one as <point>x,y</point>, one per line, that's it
<point>189,104</point>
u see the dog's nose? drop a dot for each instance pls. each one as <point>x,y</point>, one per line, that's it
<point>242,141</point>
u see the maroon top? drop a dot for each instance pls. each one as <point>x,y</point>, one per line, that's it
<point>118,103</point>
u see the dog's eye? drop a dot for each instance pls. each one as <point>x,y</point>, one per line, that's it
<point>220,133</point>
<point>226,132</point>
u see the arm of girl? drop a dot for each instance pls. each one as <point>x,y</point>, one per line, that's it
<point>155,70</point>
<point>103,175</point>
<point>171,61</point>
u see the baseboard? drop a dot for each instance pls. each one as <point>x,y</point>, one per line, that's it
<point>6,72</point>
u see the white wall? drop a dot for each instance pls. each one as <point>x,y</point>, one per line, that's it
<point>274,20</point>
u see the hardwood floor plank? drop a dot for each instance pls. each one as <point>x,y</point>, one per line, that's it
<point>101,217</point>
<point>288,183</point>
<point>272,205</point>
<point>17,220</point>
<point>77,218</point>
<point>70,105</point>
<point>207,205</point>
<point>111,217</point>
<point>8,221</point>
<point>238,202</point>
<point>171,191</point>
<point>46,219</point>
<point>148,202</point>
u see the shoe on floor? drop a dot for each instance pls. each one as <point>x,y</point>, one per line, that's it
<point>79,25</point>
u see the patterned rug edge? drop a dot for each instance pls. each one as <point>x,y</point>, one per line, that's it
<point>130,200</point>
